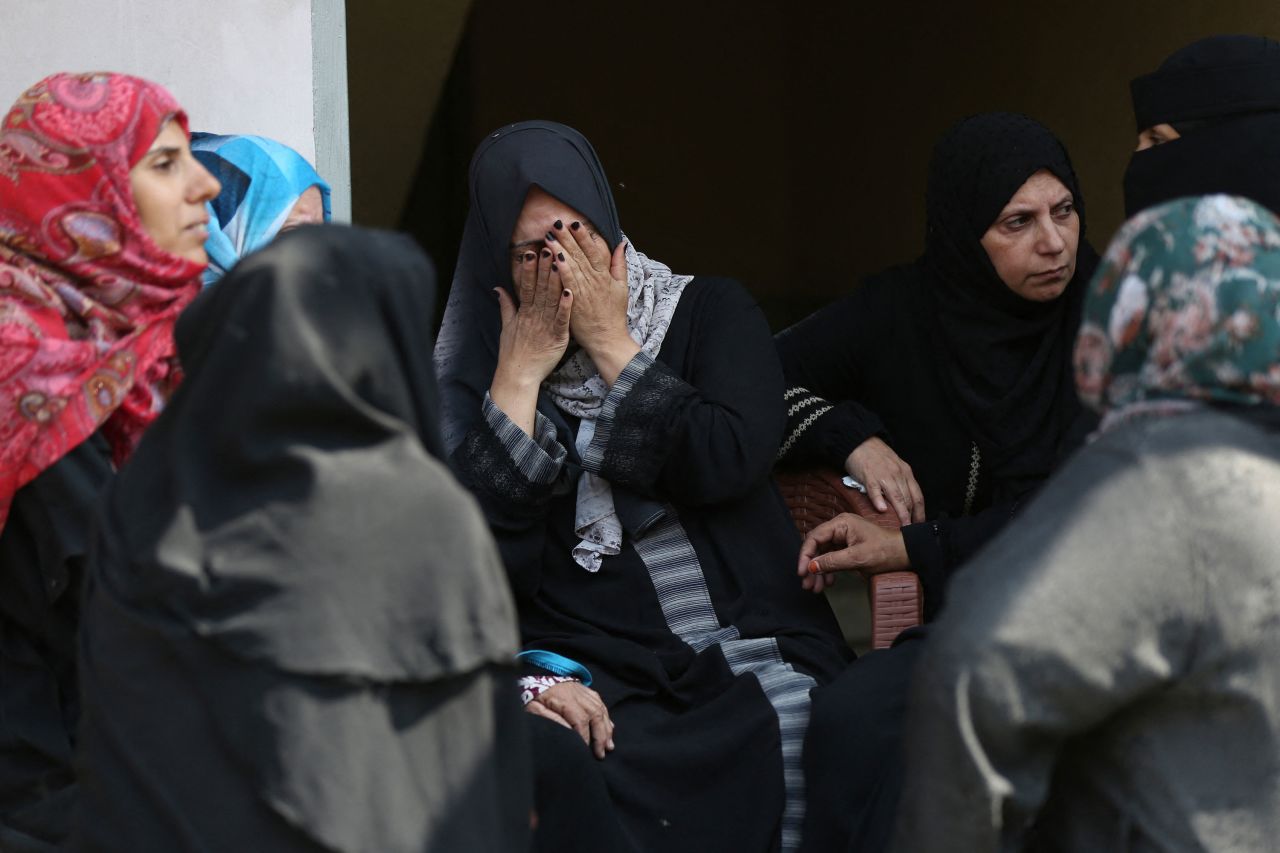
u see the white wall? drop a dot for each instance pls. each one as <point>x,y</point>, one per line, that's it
<point>236,66</point>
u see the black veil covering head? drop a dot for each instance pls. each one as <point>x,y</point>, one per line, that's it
<point>289,504</point>
<point>507,164</point>
<point>297,632</point>
<point>1211,78</point>
<point>1006,360</point>
<point>1222,93</point>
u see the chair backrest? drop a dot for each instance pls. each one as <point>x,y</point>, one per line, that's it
<point>815,495</point>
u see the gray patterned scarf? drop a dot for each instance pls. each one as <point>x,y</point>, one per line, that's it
<point>577,388</point>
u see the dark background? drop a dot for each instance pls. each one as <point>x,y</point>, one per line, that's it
<point>784,145</point>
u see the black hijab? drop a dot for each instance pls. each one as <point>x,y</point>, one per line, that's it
<point>506,165</point>
<point>289,505</point>
<point>1006,361</point>
<point>1222,94</point>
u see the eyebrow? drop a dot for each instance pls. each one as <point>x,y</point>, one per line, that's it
<point>1022,211</point>
<point>170,150</point>
<point>525,243</point>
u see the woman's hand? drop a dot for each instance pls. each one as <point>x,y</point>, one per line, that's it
<point>535,335</point>
<point>580,708</point>
<point>888,479</point>
<point>849,543</point>
<point>599,284</point>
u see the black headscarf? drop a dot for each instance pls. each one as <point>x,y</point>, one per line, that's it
<point>289,504</point>
<point>1222,94</point>
<point>506,165</point>
<point>1006,360</point>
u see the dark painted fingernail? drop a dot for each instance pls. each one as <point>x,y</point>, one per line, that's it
<point>551,237</point>
<point>546,253</point>
<point>559,224</point>
<point>566,292</point>
<point>560,255</point>
<point>554,268</point>
<point>575,226</point>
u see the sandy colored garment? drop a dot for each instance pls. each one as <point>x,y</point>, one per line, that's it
<point>1112,662</point>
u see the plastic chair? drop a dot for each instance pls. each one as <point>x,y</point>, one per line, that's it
<point>816,495</point>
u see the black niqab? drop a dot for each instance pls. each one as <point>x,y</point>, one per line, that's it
<point>1006,361</point>
<point>266,507</point>
<point>1223,95</point>
<point>506,165</point>
<point>298,633</point>
<point>1212,78</point>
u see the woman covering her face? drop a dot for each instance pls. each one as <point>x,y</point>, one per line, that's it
<point>267,188</point>
<point>102,228</point>
<point>1107,673</point>
<point>618,423</point>
<point>297,633</point>
<point>950,378</point>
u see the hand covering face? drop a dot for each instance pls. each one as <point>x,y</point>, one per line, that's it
<point>261,182</point>
<point>505,167</point>
<point>88,300</point>
<point>1184,309</point>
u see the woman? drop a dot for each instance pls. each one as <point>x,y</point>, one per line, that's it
<point>954,372</point>
<point>1108,674</point>
<point>1207,118</point>
<point>297,634</point>
<point>267,188</point>
<point>954,377</point>
<point>618,423</point>
<point>102,230</point>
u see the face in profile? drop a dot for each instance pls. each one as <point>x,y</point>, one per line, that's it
<point>1032,243</point>
<point>170,189</point>
<point>307,210</point>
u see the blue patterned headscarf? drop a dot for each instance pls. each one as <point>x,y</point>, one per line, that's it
<point>261,182</point>
<point>1184,310</point>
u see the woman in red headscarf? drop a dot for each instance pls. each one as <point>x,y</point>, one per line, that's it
<point>102,230</point>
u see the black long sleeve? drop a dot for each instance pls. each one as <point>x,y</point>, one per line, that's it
<point>705,438</point>
<point>825,358</point>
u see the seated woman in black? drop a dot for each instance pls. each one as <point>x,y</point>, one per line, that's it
<point>618,424</point>
<point>950,378</point>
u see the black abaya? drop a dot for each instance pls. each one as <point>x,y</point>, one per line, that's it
<point>43,550</point>
<point>697,634</point>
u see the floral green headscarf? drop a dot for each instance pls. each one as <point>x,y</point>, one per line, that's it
<point>1183,310</point>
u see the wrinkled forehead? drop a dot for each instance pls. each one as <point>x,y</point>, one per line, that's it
<point>982,163</point>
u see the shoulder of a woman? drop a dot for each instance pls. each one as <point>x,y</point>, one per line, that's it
<point>720,292</point>
<point>895,284</point>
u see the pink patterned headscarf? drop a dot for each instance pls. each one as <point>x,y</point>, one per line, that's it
<point>87,300</point>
